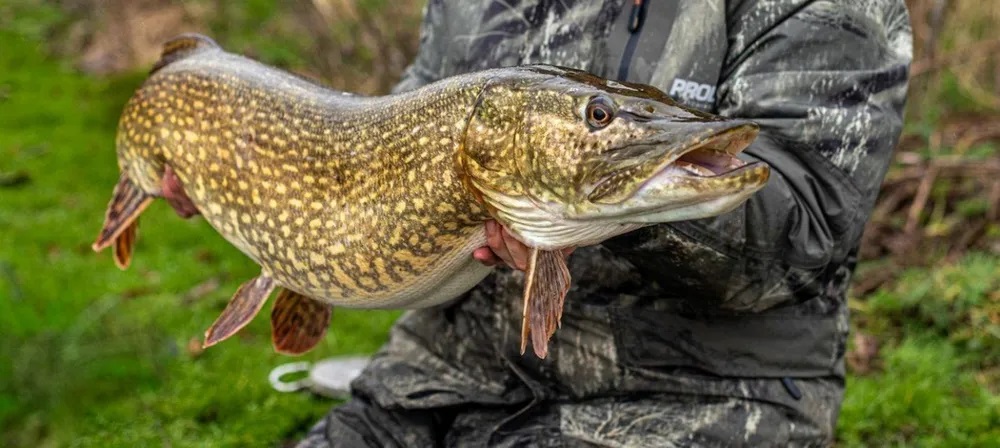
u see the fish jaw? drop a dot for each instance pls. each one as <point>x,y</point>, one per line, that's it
<point>695,152</point>
<point>674,194</point>
<point>701,182</point>
<point>547,226</point>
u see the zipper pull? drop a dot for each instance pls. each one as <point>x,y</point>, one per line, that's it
<point>638,16</point>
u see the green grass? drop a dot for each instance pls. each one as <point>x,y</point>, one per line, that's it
<point>926,396</point>
<point>960,303</point>
<point>941,332</point>
<point>92,356</point>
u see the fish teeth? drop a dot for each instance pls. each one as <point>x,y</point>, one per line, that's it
<point>697,170</point>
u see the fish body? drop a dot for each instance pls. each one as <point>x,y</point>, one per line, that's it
<point>352,201</point>
<point>378,202</point>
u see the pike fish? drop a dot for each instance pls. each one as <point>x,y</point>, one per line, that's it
<point>378,202</point>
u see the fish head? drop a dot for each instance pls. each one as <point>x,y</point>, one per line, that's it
<point>579,159</point>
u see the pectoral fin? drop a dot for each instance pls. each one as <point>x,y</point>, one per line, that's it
<point>298,322</point>
<point>546,283</point>
<point>242,308</point>
<point>120,220</point>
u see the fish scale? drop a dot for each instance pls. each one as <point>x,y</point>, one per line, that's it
<point>378,202</point>
<point>306,236</point>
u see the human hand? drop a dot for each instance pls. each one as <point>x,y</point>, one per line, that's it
<point>502,247</point>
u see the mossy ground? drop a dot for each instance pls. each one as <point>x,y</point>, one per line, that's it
<point>93,356</point>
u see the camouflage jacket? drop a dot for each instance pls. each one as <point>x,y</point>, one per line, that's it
<point>751,304</point>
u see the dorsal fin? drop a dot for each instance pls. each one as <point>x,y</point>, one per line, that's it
<point>181,47</point>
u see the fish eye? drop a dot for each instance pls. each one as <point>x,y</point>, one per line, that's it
<point>599,113</point>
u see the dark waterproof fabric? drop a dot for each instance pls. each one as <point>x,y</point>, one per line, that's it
<point>720,332</point>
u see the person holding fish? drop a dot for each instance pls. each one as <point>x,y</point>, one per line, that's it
<point>702,170</point>
<point>727,331</point>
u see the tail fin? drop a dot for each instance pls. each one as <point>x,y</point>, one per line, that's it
<point>183,46</point>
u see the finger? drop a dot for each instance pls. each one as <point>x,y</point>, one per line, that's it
<point>494,237</point>
<point>519,253</point>
<point>485,256</point>
<point>568,251</point>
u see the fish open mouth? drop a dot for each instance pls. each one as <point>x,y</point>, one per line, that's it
<point>707,163</point>
<point>708,158</point>
<point>710,162</point>
<point>715,156</point>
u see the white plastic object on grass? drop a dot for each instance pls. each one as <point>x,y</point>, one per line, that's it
<point>330,377</point>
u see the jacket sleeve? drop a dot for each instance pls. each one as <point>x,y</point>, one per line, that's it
<point>826,81</point>
<point>426,67</point>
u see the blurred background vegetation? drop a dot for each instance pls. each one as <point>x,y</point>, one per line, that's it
<point>90,356</point>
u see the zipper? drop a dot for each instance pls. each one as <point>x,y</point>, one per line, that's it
<point>635,21</point>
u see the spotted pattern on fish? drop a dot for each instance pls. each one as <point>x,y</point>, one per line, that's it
<point>378,202</point>
<point>289,182</point>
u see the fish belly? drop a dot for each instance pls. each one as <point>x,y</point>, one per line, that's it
<point>453,273</point>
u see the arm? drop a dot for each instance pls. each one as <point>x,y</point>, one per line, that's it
<point>431,51</point>
<point>827,83</point>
